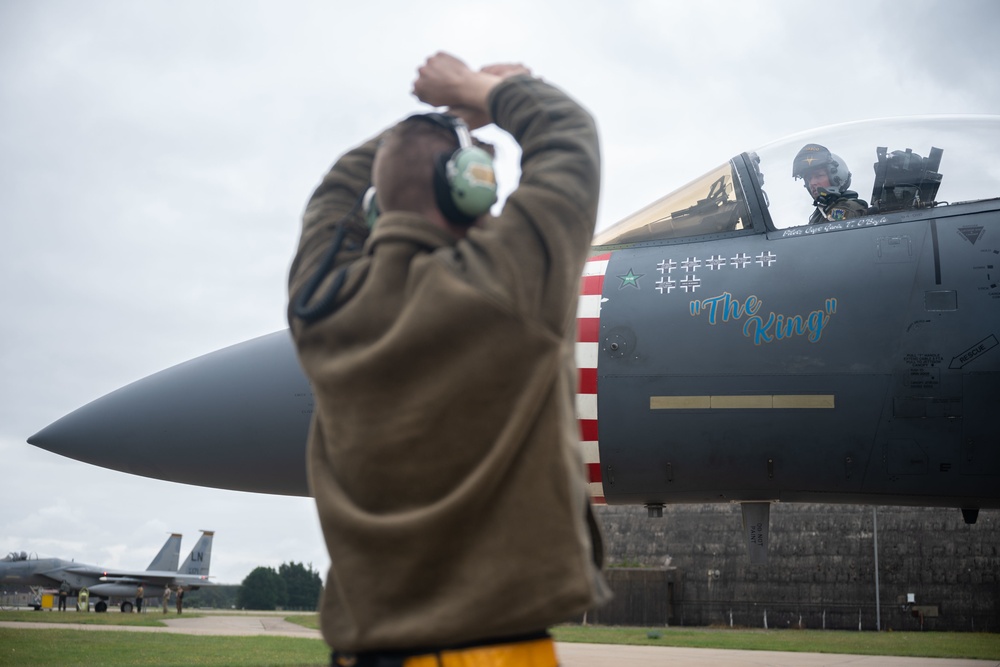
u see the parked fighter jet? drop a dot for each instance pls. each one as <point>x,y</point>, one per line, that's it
<point>105,583</point>
<point>729,350</point>
<point>21,568</point>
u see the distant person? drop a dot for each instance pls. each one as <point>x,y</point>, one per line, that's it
<point>63,593</point>
<point>444,451</point>
<point>180,599</point>
<point>166,598</point>
<point>827,179</point>
<point>139,593</point>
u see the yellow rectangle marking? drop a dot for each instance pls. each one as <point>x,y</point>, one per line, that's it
<point>821,401</point>
<point>680,402</point>
<point>743,402</point>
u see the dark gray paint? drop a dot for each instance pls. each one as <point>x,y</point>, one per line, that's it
<point>233,419</point>
<point>912,425</point>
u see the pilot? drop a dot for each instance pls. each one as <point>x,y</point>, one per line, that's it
<point>827,179</point>
<point>439,344</point>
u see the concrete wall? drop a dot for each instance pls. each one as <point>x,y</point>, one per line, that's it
<point>821,570</point>
<point>643,597</point>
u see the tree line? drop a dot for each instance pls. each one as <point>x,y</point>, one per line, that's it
<point>292,586</point>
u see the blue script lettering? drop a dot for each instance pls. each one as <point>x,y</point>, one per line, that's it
<point>765,329</point>
<point>726,307</point>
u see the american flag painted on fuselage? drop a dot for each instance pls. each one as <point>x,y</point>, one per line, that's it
<point>588,326</point>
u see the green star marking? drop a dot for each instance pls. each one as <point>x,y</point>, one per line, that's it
<point>630,279</point>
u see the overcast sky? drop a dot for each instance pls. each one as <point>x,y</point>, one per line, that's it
<point>155,158</point>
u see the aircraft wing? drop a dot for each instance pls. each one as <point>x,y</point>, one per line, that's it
<point>56,575</point>
<point>27,578</point>
<point>84,570</point>
<point>192,573</point>
<point>160,578</point>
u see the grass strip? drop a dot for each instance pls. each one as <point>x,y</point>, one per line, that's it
<point>78,647</point>
<point>116,618</point>
<point>55,647</point>
<point>973,645</point>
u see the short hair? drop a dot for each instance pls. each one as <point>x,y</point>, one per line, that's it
<point>404,165</point>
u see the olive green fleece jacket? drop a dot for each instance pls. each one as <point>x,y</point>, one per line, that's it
<point>443,452</point>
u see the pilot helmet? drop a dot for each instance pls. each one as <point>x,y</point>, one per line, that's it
<point>812,156</point>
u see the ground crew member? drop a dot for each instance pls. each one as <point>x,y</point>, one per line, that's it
<point>438,339</point>
<point>166,598</point>
<point>827,179</point>
<point>139,593</point>
<point>63,593</point>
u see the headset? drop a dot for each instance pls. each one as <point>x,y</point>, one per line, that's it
<point>465,188</point>
<point>465,184</point>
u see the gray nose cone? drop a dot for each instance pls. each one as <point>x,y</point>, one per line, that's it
<point>236,418</point>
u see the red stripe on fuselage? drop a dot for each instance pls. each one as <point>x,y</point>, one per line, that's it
<point>588,430</point>
<point>588,329</point>
<point>592,285</point>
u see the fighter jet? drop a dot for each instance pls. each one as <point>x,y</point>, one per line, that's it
<point>21,568</point>
<point>743,339</point>
<point>105,583</point>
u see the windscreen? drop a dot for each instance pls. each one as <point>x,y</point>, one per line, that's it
<point>708,205</point>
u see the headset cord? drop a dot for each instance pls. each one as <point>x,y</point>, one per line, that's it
<point>327,304</point>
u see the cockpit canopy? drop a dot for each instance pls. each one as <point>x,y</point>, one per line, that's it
<point>896,164</point>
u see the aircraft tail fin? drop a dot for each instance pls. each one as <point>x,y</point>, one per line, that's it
<point>200,558</point>
<point>169,556</point>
